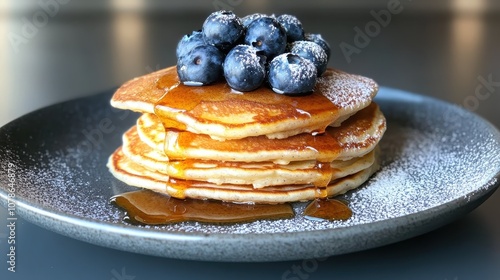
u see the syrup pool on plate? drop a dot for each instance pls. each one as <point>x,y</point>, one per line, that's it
<point>150,208</point>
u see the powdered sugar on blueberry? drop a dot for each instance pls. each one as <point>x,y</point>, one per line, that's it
<point>292,74</point>
<point>269,35</point>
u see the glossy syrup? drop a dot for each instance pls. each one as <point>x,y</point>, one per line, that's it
<point>327,209</point>
<point>326,146</point>
<point>219,104</point>
<point>148,207</point>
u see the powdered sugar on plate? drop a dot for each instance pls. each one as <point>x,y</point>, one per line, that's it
<point>433,154</point>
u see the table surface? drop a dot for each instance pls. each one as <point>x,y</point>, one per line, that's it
<point>449,55</point>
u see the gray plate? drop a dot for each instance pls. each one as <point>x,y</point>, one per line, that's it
<point>439,162</point>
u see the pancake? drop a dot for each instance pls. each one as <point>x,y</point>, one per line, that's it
<point>264,175</point>
<point>136,175</point>
<point>152,132</point>
<point>257,174</point>
<point>212,142</point>
<point>222,113</point>
<point>357,136</point>
<point>143,154</point>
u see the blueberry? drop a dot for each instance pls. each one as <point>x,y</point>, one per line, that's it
<point>318,39</point>
<point>189,42</point>
<point>267,35</point>
<point>293,27</point>
<point>313,52</point>
<point>292,74</point>
<point>244,68</point>
<point>246,20</point>
<point>201,66</point>
<point>222,29</point>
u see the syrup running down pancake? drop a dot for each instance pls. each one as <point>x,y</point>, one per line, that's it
<point>357,136</point>
<point>257,174</point>
<point>134,174</point>
<point>222,113</point>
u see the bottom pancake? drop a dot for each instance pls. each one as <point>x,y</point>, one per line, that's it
<point>136,175</point>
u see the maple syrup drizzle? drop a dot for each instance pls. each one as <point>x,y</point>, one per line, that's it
<point>325,145</point>
<point>265,105</point>
<point>326,171</point>
<point>323,207</point>
<point>327,209</point>
<point>177,170</point>
<point>148,207</point>
<point>151,208</point>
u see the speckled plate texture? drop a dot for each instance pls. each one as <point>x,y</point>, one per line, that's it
<point>439,162</point>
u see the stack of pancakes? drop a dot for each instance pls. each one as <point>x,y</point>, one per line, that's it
<point>212,142</point>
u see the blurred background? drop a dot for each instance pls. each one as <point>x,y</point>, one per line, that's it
<point>56,50</point>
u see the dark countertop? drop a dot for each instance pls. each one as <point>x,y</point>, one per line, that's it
<point>451,56</point>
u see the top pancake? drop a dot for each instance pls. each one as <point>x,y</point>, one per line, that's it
<point>222,113</point>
